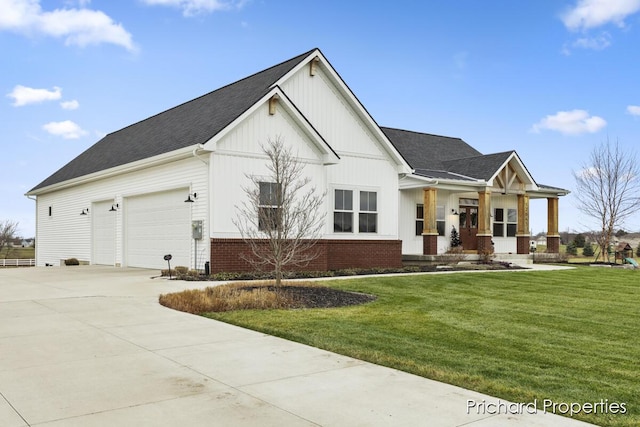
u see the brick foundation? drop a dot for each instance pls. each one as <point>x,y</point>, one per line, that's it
<point>228,255</point>
<point>430,244</point>
<point>523,244</point>
<point>484,244</point>
<point>553,244</point>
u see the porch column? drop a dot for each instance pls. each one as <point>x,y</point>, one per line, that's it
<point>484,222</point>
<point>430,228</point>
<point>523,235</point>
<point>553,237</point>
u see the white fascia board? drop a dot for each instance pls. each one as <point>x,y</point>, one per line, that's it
<point>160,159</point>
<point>417,181</point>
<point>402,165</point>
<point>328,155</point>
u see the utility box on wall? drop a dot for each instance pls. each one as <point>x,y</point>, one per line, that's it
<point>196,229</point>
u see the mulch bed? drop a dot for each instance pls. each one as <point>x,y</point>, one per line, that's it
<point>319,296</point>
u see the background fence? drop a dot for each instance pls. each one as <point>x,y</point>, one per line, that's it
<point>17,262</point>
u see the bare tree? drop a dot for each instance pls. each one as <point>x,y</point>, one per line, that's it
<point>280,221</point>
<point>607,190</point>
<point>8,230</point>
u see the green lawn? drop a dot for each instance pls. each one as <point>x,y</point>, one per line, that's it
<point>20,253</point>
<point>570,336</point>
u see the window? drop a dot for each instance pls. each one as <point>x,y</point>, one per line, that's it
<point>440,219</point>
<point>368,217</point>
<point>419,219</point>
<point>343,213</point>
<point>512,222</point>
<point>269,199</point>
<point>499,223</point>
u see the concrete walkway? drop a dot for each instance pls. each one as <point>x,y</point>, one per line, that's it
<point>90,346</point>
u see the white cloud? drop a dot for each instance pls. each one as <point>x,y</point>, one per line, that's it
<point>195,7</point>
<point>573,122</point>
<point>81,27</point>
<point>600,42</point>
<point>70,105</point>
<point>634,110</point>
<point>587,14</point>
<point>23,95</point>
<point>66,129</point>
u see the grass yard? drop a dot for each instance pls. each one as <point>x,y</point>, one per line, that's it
<point>569,336</point>
<point>20,253</point>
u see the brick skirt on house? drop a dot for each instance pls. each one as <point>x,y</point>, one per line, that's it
<point>228,255</point>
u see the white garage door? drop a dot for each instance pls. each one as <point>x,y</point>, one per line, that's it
<point>157,224</point>
<point>103,233</point>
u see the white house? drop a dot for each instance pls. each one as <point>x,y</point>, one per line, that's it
<point>170,184</point>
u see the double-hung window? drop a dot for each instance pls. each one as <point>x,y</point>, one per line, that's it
<point>343,211</point>
<point>268,209</point>
<point>502,223</point>
<point>368,217</point>
<point>440,219</point>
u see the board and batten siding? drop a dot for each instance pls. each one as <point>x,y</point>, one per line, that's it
<point>412,244</point>
<point>326,108</point>
<point>239,155</point>
<point>363,166</point>
<point>67,234</point>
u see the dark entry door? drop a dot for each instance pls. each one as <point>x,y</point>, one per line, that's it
<point>468,227</point>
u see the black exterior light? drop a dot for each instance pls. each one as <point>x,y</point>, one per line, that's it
<point>454,212</point>
<point>114,207</point>
<point>85,211</point>
<point>189,199</point>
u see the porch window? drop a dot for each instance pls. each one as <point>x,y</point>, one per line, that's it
<point>500,223</point>
<point>512,222</point>
<point>368,217</point>
<point>343,211</point>
<point>269,199</point>
<point>440,219</point>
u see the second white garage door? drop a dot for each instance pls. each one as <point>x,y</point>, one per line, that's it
<point>158,224</point>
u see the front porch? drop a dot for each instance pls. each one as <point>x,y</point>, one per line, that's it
<point>490,215</point>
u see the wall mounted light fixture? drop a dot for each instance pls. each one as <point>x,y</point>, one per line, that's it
<point>454,212</point>
<point>114,207</point>
<point>85,211</point>
<point>189,199</point>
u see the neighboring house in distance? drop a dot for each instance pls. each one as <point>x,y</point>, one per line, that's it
<point>125,200</point>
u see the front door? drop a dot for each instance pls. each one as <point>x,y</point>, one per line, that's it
<point>468,227</point>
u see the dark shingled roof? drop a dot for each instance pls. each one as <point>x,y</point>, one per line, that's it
<point>191,123</point>
<point>443,157</point>
<point>426,151</point>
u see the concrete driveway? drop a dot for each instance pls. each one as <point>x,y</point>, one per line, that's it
<point>90,346</point>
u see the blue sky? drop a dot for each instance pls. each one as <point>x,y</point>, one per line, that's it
<point>550,79</point>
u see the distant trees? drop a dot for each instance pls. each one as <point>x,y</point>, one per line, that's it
<point>281,220</point>
<point>608,189</point>
<point>8,231</point>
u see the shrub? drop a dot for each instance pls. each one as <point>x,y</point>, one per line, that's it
<point>486,256</point>
<point>71,261</point>
<point>572,248</point>
<point>181,269</point>
<point>588,250</point>
<point>454,254</point>
<point>234,296</point>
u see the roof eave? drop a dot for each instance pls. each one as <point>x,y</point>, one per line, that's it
<point>126,168</point>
